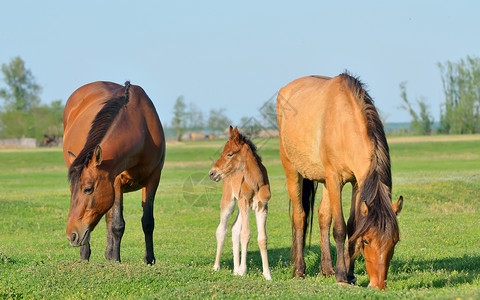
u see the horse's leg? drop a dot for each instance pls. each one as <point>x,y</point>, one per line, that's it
<point>324,222</point>
<point>349,258</point>
<point>227,206</point>
<point>244,210</point>
<point>85,251</point>
<point>236,230</point>
<point>115,225</point>
<point>261,219</point>
<point>299,218</point>
<point>333,186</point>
<point>148,223</point>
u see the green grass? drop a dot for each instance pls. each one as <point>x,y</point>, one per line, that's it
<point>438,256</point>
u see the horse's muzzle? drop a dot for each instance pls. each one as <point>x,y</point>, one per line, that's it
<point>214,176</point>
<point>77,240</point>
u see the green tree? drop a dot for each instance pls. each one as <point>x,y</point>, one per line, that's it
<point>421,122</point>
<point>218,120</point>
<point>179,117</point>
<point>22,92</point>
<point>460,113</point>
<point>22,115</point>
<point>195,119</point>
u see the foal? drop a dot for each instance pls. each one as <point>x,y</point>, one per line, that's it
<point>244,178</point>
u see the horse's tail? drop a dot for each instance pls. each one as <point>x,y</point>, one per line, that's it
<point>309,189</point>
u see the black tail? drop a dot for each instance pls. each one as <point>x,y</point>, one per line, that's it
<point>309,189</point>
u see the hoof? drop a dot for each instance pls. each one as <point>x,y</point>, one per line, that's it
<point>267,276</point>
<point>328,272</point>
<point>352,280</point>
<point>216,268</point>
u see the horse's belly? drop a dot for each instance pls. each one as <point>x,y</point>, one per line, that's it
<point>306,160</point>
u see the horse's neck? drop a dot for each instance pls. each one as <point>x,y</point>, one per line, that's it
<point>252,172</point>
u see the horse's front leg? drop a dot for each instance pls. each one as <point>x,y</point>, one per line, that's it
<point>148,222</point>
<point>115,224</point>
<point>227,206</point>
<point>332,184</point>
<point>244,210</point>
<point>85,251</point>
<point>351,248</point>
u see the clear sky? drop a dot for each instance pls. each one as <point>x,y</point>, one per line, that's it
<point>236,55</point>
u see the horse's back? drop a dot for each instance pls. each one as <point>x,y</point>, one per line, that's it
<point>321,126</point>
<point>141,124</point>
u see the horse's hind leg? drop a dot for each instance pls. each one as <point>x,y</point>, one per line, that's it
<point>324,222</point>
<point>261,218</point>
<point>349,258</point>
<point>148,222</point>
<point>115,225</point>
<point>227,205</point>
<point>294,187</point>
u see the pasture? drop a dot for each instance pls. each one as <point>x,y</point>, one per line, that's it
<point>438,254</point>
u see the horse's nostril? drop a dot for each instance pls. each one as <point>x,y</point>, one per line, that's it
<point>211,173</point>
<point>74,237</point>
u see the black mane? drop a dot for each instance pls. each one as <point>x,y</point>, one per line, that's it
<point>100,125</point>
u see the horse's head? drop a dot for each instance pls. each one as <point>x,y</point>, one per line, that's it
<point>378,248</point>
<point>231,159</point>
<point>92,196</point>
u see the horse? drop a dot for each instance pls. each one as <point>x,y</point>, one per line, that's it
<point>244,178</point>
<point>113,143</point>
<point>331,133</point>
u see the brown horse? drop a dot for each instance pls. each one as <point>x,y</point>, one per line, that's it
<point>330,132</point>
<point>244,178</point>
<point>113,143</point>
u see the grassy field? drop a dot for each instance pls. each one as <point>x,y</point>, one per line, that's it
<point>438,255</point>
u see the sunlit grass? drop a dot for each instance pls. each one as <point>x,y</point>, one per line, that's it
<point>438,255</point>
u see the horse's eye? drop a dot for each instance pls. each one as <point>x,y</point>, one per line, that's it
<point>365,242</point>
<point>230,154</point>
<point>88,190</point>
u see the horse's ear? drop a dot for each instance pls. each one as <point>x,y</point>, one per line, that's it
<point>397,206</point>
<point>71,156</point>
<point>363,208</point>
<point>230,131</point>
<point>236,135</point>
<point>97,155</point>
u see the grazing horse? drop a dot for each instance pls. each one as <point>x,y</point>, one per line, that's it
<point>330,132</point>
<point>246,179</point>
<point>113,143</point>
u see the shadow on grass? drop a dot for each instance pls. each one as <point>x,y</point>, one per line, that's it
<point>415,273</point>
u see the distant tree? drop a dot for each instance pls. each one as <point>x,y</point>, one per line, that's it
<point>22,92</point>
<point>218,121</point>
<point>460,113</point>
<point>421,122</point>
<point>195,119</point>
<point>22,115</point>
<point>179,117</point>
<point>252,126</point>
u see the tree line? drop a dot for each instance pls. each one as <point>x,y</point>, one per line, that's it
<point>22,113</point>
<point>191,118</point>
<point>460,110</point>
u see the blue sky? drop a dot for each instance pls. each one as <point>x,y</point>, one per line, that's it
<point>232,55</point>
